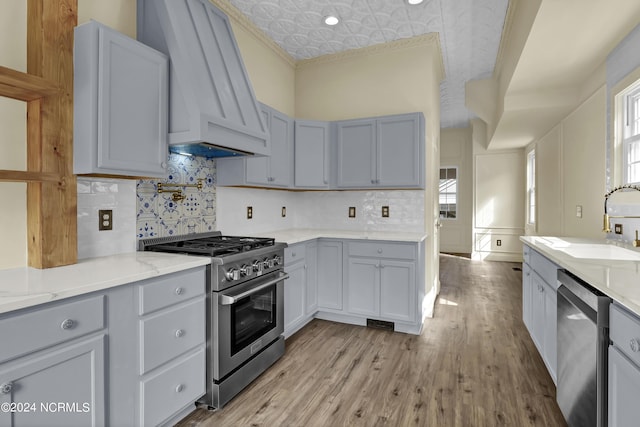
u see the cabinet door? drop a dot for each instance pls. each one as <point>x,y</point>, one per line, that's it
<point>281,131</point>
<point>294,295</point>
<point>311,154</point>
<point>364,287</point>
<point>397,290</point>
<point>312,278</point>
<point>537,311</point>
<point>257,167</point>
<point>550,345</point>
<point>527,295</point>
<point>398,151</point>
<point>623,392</point>
<point>356,141</point>
<point>132,107</point>
<point>72,375</point>
<point>330,275</point>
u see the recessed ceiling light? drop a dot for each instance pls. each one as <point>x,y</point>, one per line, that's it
<point>414,2</point>
<point>332,20</point>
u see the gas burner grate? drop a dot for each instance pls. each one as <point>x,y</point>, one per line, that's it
<point>217,246</point>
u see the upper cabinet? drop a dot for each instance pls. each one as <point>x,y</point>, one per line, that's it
<point>385,152</point>
<point>311,154</point>
<point>120,104</point>
<point>213,109</point>
<point>263,171</point>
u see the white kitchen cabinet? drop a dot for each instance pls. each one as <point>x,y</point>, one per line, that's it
<point>382,280</point>
<point>383,152</point>
<point>120,104</point>
<point>274,170</point>
<point>311,154</point>
<point>300,289</point>
<point>50,354</point>
<point>624,368</point>
<point>329,277</point>
<point>539,305</point>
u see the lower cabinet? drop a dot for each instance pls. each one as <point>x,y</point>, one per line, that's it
<point>300,289</point>
<point>382,287</point>
<point>60,386</point>
<point>624,367</point>
<point>329,277</point>
<point>539,305</point>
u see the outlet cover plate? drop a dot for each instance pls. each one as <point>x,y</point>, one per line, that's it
<point>618,228</point>
<point>249,212</point>
<point>385,212</point>
<point>105,219</point>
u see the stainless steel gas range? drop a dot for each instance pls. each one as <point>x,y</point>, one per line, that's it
<point>245,320</point>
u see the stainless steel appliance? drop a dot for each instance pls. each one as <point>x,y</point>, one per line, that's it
<point>583,338</point>
<point>245,320</point>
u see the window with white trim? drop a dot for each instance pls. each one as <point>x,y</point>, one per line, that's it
<point>631,134</point>
<point>448,191</point>
<point>531,187</point>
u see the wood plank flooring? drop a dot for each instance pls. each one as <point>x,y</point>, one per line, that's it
<point>473,365</point>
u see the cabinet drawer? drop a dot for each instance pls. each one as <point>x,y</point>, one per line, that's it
<point>169,333</point>
<point>295,253</point>
<point>174,387</point>
<point>171,289</point>
<point>545,268</point>
<point>625,332</point>
<point>382,250</point>
<point>526,254</point>
<point>45,327</point>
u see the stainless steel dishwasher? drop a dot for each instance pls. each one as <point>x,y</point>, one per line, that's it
<point>583,339</point>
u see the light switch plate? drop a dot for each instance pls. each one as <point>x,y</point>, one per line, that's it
<point>284,211</point>
<point>617,228</point>
<point>352,211</point>
<point>579,211</point>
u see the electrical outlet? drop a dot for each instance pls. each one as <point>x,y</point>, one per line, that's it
<point>579,211</point>
<point>249,212</point>
<point>105,219</point>
<point>284,211</point>
<point>385,212</point>
<point>352,211</point>
<point>498,242</point>
<point>617,228</point>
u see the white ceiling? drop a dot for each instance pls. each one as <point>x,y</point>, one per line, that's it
<point>469,31</point>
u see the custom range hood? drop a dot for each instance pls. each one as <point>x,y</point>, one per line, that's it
<point>213,111</point>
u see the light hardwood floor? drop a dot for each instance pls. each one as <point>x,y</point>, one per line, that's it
<point>473,365</point>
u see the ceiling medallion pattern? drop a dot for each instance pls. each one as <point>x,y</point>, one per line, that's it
<point>469,33</point>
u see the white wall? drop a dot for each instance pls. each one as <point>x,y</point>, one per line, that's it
<point>498,202</point>
<point>456,151</point>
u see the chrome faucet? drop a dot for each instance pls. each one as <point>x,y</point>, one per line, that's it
<point>607,224</point>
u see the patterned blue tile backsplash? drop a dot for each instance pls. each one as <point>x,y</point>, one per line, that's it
<point>158,215</point>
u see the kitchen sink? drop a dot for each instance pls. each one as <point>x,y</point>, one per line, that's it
<point>600,251</point>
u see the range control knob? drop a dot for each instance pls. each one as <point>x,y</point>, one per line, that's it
<point>257,266</point>
<point>246,270</point>
<point>267,263</point>
<point>277,260</point>
<point>232,274</point>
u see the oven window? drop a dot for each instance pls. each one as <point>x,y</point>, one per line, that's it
<point>252,317</point>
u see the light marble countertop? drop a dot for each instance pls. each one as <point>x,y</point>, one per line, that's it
<point>26,287</point>
<point>297,235</point>
<point>617,279</point>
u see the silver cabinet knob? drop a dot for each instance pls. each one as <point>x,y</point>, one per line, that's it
<point>179,333</point>
<point>179,291</point>
<point>179,388</point>
<point>6,388</point>
<point>67,324</point>
<point>163,165</point>
<point>379,250</point>
<point>635,345</point>
<point>528,274</point>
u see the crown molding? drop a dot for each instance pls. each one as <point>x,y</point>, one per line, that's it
<point>507,28</point>
<point>429,39</point>
<point>245,23</point>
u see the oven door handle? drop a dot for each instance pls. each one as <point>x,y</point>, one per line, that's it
<point>232,299</point>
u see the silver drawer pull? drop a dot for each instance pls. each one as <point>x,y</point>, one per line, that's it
<point>179,388</point>
<point>635,345</point>
<point>68,324</point>
<point>179,333</point>
<point>6,388</point>
<point>179,291</point>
